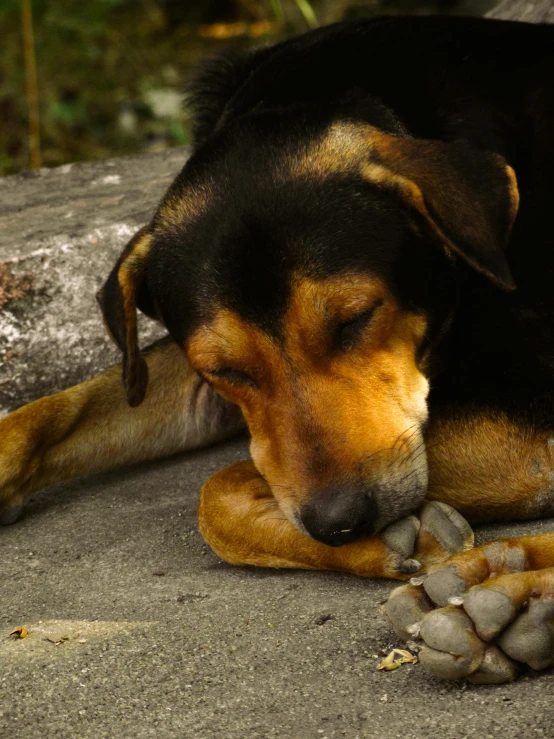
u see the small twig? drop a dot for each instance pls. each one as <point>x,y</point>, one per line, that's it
<point>31,83</point>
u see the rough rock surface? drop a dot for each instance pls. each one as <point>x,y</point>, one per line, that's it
<point>537,11</point>
<point>61,231</point>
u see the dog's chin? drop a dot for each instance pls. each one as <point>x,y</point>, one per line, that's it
<point>397,503</point>
<point>396,498</point>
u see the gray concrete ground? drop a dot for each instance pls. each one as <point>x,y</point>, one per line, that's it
<point>165,640</point>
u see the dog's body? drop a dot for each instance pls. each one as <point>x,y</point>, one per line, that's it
<point>338,259</point>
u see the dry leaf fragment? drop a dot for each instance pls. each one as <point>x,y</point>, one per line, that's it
<point>20,633</point>
<point>396,658</point>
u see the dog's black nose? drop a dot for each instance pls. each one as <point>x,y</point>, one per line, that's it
<point>339,516</point>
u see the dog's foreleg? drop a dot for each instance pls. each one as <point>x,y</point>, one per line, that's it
<point>243,523</point>
<point>90,427</point>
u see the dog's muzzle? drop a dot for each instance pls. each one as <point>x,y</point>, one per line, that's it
<point>340,516</point>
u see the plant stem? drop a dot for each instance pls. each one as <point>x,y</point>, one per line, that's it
<point>31,84</point>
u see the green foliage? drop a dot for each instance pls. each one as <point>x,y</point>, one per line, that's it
<point>111,72</point>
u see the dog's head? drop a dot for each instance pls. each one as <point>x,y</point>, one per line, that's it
<point>307,272</point>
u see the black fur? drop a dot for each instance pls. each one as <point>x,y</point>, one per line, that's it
<point>488,85</point>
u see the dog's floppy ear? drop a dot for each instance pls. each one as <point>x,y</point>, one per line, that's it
<point>118,301</point>
<point>468,197</point>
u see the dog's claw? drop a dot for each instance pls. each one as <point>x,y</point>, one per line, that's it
<point>415,630</point>
<point>456,600</point>
<point>409,566</point>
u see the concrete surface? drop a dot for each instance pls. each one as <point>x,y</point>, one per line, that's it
<point>61,231</point>
<point>206,650</point>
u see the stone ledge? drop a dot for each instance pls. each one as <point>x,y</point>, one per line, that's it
<point>61,231</point>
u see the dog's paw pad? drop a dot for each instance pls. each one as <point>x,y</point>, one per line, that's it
<point>401,536</point>
<point>443,585</point>
<point>530,638</point>
<point>443,532</point>
<point>495,669</point>
<point>503,557</point>
<point>406,606</point>
<point>490,610</point>
<point>10,514</point>
<point>452,649</point>
<point>447,526</point>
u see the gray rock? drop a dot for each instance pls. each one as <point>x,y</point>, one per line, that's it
<point>61,231</point>
<point>531,11</point>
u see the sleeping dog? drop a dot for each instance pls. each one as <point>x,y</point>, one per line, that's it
<point>357,263</point>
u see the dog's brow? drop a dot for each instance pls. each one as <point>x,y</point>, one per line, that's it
<point>335,298</point>
<point>228,339</point>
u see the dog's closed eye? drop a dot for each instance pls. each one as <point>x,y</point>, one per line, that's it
<point>232,376</point>
<point>350,332</point>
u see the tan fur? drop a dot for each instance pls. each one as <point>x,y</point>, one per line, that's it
<point>178,209</point>
<point>241,520</point>
<point>301,417</point>
<point>91,427</point>
<point>394,162</point>
<point>341,148</point>
<point>490,469</point>
<point>485,565</point>
<point>521,586</point>
<point>514,195</point>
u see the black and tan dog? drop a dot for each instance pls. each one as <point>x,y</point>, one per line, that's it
<point>359,255</point>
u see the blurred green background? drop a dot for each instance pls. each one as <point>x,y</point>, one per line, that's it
<point>111,73</point>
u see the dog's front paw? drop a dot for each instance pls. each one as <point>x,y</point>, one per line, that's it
<point>416,542</point>
<point>491,624</point>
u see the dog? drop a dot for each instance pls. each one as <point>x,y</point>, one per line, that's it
<point>356,263</point>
